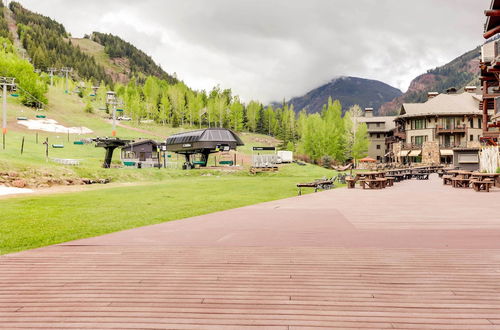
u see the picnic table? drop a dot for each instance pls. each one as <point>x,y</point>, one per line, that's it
<point>495,177</point>
<point>371,180</point>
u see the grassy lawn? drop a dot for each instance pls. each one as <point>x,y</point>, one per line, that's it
<point>30,222</point>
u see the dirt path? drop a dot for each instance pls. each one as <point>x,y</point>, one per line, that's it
<point>140,130</point>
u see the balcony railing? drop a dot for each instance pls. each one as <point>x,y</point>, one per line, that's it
<point>411,146</point>
<point>400,135</point>
<point>451,129</point>
<point>452,145</point>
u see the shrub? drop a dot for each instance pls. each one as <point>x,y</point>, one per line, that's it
<point>326,161</point>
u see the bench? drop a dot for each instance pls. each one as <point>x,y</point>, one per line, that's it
<point>319,184</point>
<point>373,183</point>
<point>447,180</point>
<point>460,183</point>
<point>479,185</point>
<point>351,182</point>
<point>421,176</point>
<point>390,181</point>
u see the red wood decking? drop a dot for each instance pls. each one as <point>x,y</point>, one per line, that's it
<point>419,255</point>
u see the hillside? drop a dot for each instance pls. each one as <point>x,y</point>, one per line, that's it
<point>99,57</point>
<point>349,91</point>
<point>462,71</point>
<point>123,54</point>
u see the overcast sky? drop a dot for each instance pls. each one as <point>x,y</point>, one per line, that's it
<point>274,49</point>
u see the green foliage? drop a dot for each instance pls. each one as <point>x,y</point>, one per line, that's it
<point>32,87</point>
<point>361,142</point>
<point>326,161</point>
<point>4,29</point>
<point>89,108</point>
<point>331,135</point>
<point>140,63</point>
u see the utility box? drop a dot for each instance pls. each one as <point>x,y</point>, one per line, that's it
<point>285,156</point>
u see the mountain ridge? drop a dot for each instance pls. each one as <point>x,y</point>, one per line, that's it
<point>367,93</point>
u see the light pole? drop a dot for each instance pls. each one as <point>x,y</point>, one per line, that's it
<point>4,82</point>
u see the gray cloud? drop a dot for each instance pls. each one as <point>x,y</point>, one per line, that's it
<point>270,49</point>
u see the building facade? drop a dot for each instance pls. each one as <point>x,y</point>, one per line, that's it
<point>490,75</point>
<point>379,130</point>
<point>429,132</point>
<point>141,154</point>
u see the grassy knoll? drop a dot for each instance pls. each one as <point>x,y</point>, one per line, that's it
<point>30,222</point>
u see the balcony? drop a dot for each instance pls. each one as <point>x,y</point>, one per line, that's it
<point>460,129</point>
<point>411,146</point>
<point>452,145</point>
<point>400,135</point>
<point>391,140</point>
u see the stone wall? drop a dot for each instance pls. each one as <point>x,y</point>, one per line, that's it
<point>430,153</point>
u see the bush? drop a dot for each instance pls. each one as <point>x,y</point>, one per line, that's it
<point>326,161</point>
<point>498,169</point>
<point>89,108</point>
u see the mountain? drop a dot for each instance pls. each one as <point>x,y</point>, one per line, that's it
<point>349,91</point>
<point>461,72</point>
<point>99,56</point>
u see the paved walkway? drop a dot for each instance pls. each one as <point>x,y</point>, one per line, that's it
<point>415,256</point>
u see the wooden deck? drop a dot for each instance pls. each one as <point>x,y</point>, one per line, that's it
<point>418,255</point>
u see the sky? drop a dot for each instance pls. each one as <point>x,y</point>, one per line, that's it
<point>270,50</point>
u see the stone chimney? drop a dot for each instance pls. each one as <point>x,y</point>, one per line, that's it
<point>470,89</point>
<point>369,112</point>
<point>431,95</point>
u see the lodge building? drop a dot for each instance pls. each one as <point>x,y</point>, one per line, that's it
<point>379,130</point>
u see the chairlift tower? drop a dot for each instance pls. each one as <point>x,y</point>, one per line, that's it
<point>66,70</point>
<point>5,82</point>
<point>112,100</point>
<point>51,71</point>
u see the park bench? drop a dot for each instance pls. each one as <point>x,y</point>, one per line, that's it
<point>482,185</point>
<point>318,184</point>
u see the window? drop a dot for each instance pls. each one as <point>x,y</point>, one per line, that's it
<point>419,124</point>
<point>479,123</point>
<point>128,154</point>
<point>378,146</point>
<point>471,122</point>
<point>378,124</point>
<point>378,136</point>
<point>378,158</point>
<point>471,138</point>
<point>419,140</point>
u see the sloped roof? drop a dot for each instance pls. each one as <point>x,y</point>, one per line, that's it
<point>387,120</point>
<point>443,104</point>
<point>205,135</point>
<point>141,142</point>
